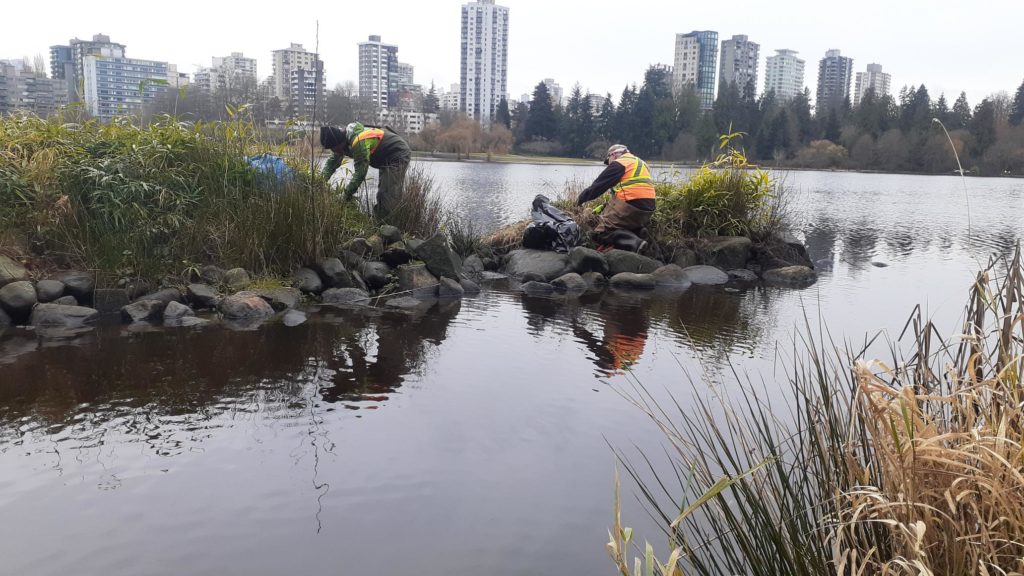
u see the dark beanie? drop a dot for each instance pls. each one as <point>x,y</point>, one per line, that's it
<point>331,136</point>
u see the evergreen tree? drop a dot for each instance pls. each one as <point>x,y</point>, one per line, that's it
<point>983,125</point>
<point>728,109</point>
<point>519,118</point>
<point>800,108</point>
<point>606,118</point>
<point>542,122</point>
<point>688,112</point>
<point>623,127</point>
<point>707,136</point>
<point>941,110</point>
<point>1017,111</point>
<point>833,130</point>
<point>431,104</point>
<point>502,115</point>
<point>961,117</point>
<point>573,135</point>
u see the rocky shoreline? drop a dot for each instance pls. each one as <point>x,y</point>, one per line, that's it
<point>388,270</point>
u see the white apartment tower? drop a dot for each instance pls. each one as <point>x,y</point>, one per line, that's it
<point>286,61</point>
<point>226,73</point>
<point>739,62</point>
<point>378,63</point>
<point>484,71</point>
<point>875,79</point>
<point>784,74</point>
<point>696,63</point>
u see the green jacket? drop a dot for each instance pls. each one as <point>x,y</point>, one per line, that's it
<point>364,156</point>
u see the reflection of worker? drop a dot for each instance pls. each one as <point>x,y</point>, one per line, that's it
<point>368,146</point>
<point>632,200</point>
<point>623,342</point>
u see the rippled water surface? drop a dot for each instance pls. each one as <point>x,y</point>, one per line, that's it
<point>465,438</point>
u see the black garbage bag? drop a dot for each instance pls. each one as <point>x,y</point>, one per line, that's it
<point>551,228</point>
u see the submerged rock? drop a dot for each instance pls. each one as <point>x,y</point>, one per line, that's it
<point>144,311</point>
<point>595,279</point>
<point>780,254</point>
<point>583,260</point>
<point>533,287</point>
<point>742,275</point>
<point>175,311</point>
<point>545,264</point>
<point>706,275</point>
<point>59,316</point>
<point>245,306</point>
<point>449,288</point>
<point>671,275</point>
<point>727,252</point>
<point>189,322</point>
<point>49,290</point>
<point>620,261</point>
<point>345,296</point>
<point>281,298</point>
<point>404,303</point>
<point>469,287</point>
<point>571,282</point>
<point>11,271</point>
<point>633,281</point>
<point>294,318</point>
<point>791,276</point>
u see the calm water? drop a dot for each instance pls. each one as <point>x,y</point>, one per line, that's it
<point>467,438</point>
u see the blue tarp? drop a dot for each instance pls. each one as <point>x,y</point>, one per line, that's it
<point>268,164</point>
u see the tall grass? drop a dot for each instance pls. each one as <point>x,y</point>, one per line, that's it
<point>912,466</point>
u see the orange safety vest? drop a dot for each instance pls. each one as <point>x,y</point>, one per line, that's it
<point>370,133</point>
<point>636,181</point>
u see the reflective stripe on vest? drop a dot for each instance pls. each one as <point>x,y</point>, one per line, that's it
<point>636,183</point>
<point>374,133</point>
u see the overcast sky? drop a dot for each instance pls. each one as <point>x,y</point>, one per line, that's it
<point>947,45</point>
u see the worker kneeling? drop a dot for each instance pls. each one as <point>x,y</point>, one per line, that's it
<point>368,146</point>
<point>631,204</point>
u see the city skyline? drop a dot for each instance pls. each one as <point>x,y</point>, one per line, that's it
<point>429,37</point>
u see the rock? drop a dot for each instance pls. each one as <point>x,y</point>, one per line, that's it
<point>469,287</point>
<point>144,310</point>
<point>671,275</point>
<point>360,247</point>
<point>449,288</point>
<point>202,296</point>
<point>571,282</point>
<point>358,282</point>
<point>706,275</point>
<point>473,265</point>
<point>879,264</point>
<point>532,277</point>
<point>376,246</point>
<point>307,281</point>
<point>594,279</point>
<point>245,306</point>
<point>294,318</point>
<point>175,311</point>
<point>583,260</point>
<point>212,275</point>
<point>791,276</point>
<point>78,284</point>
<point>237,279</point>
<point>396,255</point>
<point>11,271</point>
<point>742,275</point>
<point>5,321</point>
<point>49,290</point>
<point>109,301</point>
<point>190,322</point>
<point>416,278</point>
<point>134,287</point>
<point>412,244</point>
<point>684,258</point>
<point>335,274</point>
<point>491,264</point>
<point>390,235</point>
<point>547,265</point>
<point>620,261</point>
<point>345,296</point>
<point>632,281</point>
<point>404,303</point>
<point>376,274</point>
<point>538,288</point>
<point>18,298</point>
<point>167,295</point>
<point>493,276</point>
<point>66,301</point>
<point>439,258</point>
<point>726,252</point>
<point>779,254</point>
<point>351,260</point>
<point>59,316</point>
<point>281,298</point>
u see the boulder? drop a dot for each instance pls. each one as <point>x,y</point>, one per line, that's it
<point>212,275</point>
<point>175,311</point>
<point>684,258</point>
<point>345,296</point>
<point>473,265</point>
<point>360,247</point>
<point>281,298</point>
<point>416,278</point>
<point>78,284</point>
<point>620,261</point>
<point>49,290</point>
<point>404,303</point>
<point>726,252</point>
<point>469,287</point>
<point>396,255</point>
<point>237,279</point>
<point>202,296</point>
<point>294,318</point>
<point>358,282</point>
<point>583,260</point>
<point>671,275</point>
<point>5,321</point>
<point>545,264</point>
<point>11,271</point>
<point>594,279</point>
<point>538,288</point>
<point>439,257</point>
<point>571,282</point>
<point>109,300</point>
<point>449,288</point>
<point>779,254</point>
<point>66,301</point>
<point>144,310</point>
<point>742,275</point>
<point>167,295</point>
<point>351,260</point>
<point>791,276</point>
<point>390,235</point>
<point>632,281</point>
<point>706,275</point>
<point>245,306</point>
<point>376,275</point>
<point>307,281</point>
<point>334,273</point>
<point>376,246</point>
<point>533,277</point>
<point>412,244</point>
<point>18,298</point>
<point>59,316</point>
<point>491,264</point>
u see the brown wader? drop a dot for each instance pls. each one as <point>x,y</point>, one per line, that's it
<point>619,215</point>
<point>391,183</point>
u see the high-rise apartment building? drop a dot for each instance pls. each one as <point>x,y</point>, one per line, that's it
<point>450,100</point>
<point>554,90</point>
<point>696,63</point>
<point>116,86</point>
<point>784,74</point>
<point>873,79</point>
<point>378,64</point>
<point>484,57</point>
<point>834,74</point>
<point>67,62</point>
<point>25,88</point>
<point>226,73</point>
<point>298,79</point>
<point>739,62</point>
